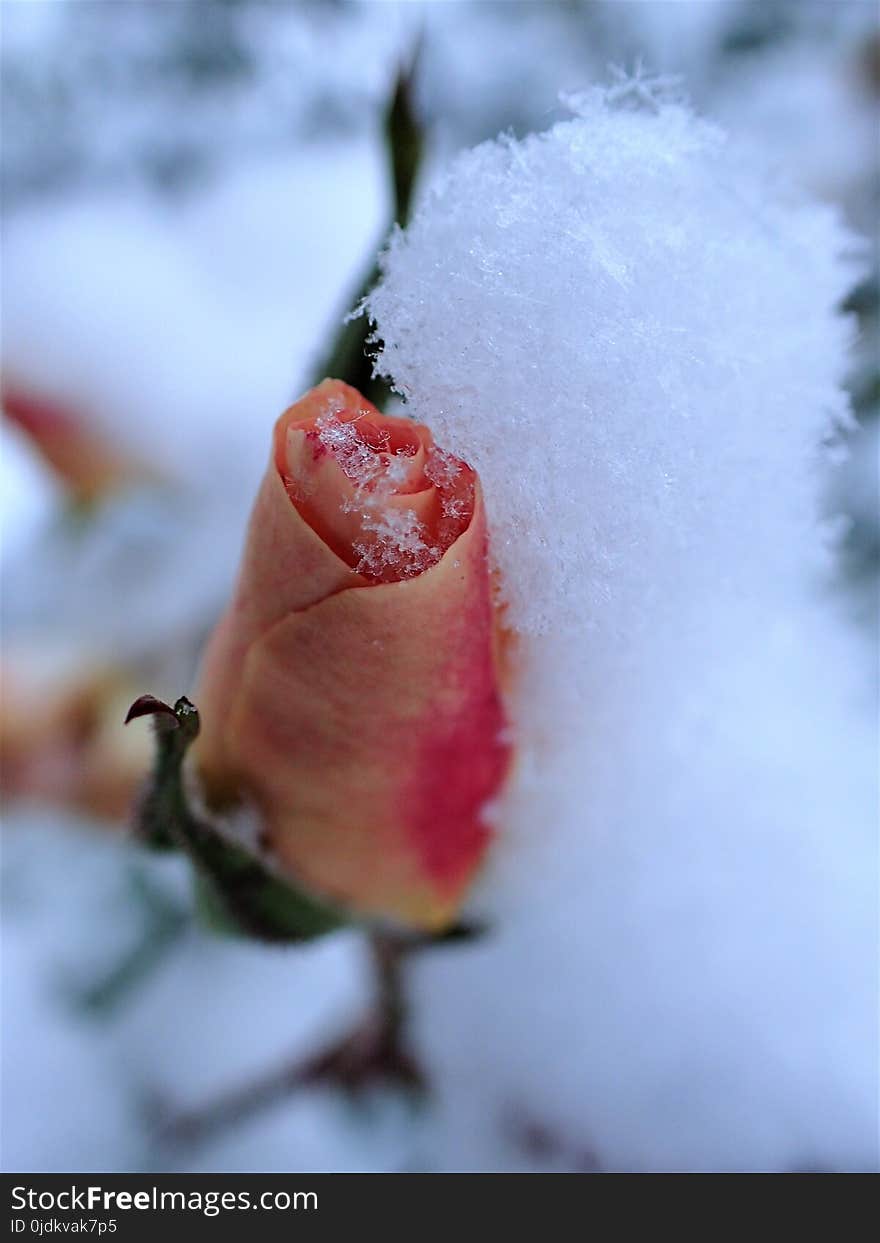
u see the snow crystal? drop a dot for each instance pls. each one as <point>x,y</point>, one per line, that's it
<point>441,469</point>
<point>358,460</point>
<point>398,544</point>
<point>630,331</point>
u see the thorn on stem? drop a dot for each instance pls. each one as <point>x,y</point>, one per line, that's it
<point>149,705</point>
<point>184,715</point>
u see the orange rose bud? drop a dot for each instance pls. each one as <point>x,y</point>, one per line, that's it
<point>85,462</point>
<point>60,742</point>
<point>352,689</point>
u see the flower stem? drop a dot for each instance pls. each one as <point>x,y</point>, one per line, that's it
<point>372,1054</point>
<point>347,358</point>
<point>243,894</point>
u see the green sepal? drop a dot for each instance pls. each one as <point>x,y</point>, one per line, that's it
<point>238,892</point>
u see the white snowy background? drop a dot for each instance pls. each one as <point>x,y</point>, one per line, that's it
<point>630,329</point>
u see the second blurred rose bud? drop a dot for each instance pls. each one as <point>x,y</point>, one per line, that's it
<point>352,691</point>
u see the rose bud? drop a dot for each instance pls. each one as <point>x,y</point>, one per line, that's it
<point>352,690</point>
<point>84,460</point>
<point>60,742</point>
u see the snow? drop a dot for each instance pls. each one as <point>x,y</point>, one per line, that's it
<point>630,330</point>
<point>207,344</point>
<point>213,1013</point>
<point>637,269</point>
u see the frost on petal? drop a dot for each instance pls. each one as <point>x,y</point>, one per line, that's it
<point>374,487</point>
<point>398,544</point>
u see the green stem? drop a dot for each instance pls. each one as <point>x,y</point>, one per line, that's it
<point>247,895</point>
<point>372,1053</point>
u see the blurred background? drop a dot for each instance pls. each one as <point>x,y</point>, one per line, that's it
<point>194,195</point>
